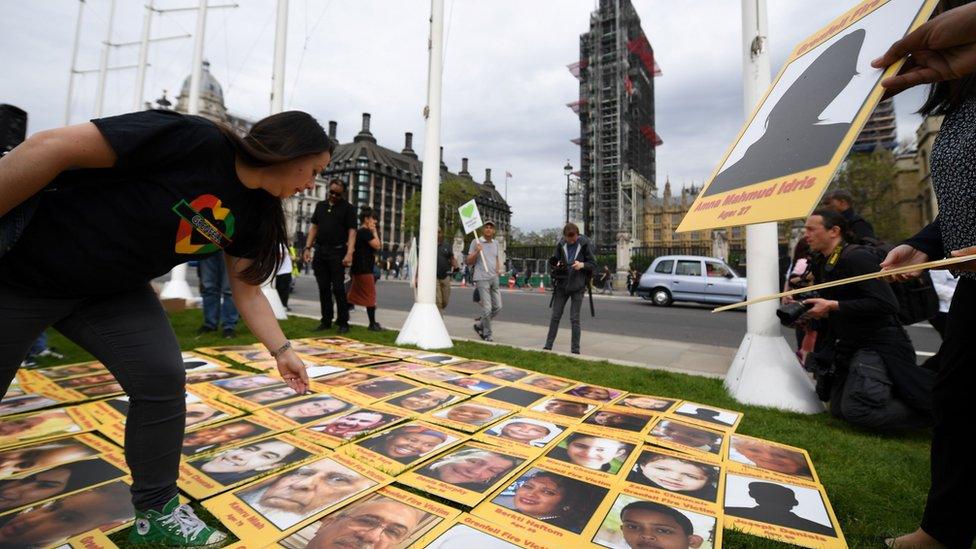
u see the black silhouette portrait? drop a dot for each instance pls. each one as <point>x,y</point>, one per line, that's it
<point>794,139</point>
<point>705,414</point>
<point>774,505</point>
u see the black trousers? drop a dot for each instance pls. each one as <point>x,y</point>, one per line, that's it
<point>939,323</point>
<point>283,287</point>
<point>330,277</point>
<point>558,306</point>
<point>129,333</point>
<point>950,508</point>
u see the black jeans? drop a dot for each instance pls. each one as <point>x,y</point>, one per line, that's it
<point>950,508</point>
<point>330,276</point>
<point>129,333</point>
<point>283,287</point>
<point>558,305</point>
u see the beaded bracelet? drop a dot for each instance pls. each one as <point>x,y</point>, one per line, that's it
<point>282,349</point>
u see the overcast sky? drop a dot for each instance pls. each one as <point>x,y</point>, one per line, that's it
<point>505,78</point>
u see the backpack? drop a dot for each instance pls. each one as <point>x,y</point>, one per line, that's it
<point>917,300</point>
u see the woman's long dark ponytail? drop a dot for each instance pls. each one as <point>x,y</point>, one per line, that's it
<point>278,138</point>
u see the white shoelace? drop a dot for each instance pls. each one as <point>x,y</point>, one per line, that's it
<point>186,520</point>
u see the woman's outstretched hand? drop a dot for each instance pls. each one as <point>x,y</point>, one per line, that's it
<point>292,370</point>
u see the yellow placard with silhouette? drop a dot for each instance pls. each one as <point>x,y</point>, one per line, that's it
<point>799,134</point>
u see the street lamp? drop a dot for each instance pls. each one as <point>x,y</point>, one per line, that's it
<point>568,169</point>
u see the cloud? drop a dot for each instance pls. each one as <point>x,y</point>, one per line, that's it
<point>505,78</point>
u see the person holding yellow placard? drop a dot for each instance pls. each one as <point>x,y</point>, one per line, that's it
<point>943,52</point>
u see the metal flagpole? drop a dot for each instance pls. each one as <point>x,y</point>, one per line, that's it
<point>103,67</point>
<point>143,54</point>
<point>424,326</point>
<point>764,371</point>
<point>278,105</point>
<point>74,63</point>
<point>278,72</point>
<point>177,287</point>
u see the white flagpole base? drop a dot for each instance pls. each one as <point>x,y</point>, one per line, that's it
<point>176,287</point>
<point>425,328</point>
<point>276,306</point>
<point>765,372</point>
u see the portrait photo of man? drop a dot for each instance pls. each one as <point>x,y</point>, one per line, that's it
<point>358,423</point>
<point>778,503</point>
<point>374,522</point>
<point>634,523</point>
<point>288,498</point>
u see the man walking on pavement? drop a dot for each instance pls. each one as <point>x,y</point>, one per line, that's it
<point>333,235</point>
<point>486,277</point>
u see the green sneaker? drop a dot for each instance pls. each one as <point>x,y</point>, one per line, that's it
<point>175,526</point>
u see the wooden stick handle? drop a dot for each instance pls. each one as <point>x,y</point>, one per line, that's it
<point>481,253</point>
<point>896,271</point>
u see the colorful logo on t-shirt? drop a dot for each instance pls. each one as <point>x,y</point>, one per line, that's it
<point>195,226</point>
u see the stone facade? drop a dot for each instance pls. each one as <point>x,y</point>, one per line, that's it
<point>914,197</point>
<point>385,180</point>
<point>662,215</point>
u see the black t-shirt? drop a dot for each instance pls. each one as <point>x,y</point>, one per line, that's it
<point>364,256</point>
<point>333,222</point>
<point>172,196</point>
<point>444,255</point>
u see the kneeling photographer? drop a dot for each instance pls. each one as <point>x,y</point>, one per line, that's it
<point>571,266</point>
<point>865,366</point>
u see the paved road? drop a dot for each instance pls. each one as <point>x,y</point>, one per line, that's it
<point>614,315</point>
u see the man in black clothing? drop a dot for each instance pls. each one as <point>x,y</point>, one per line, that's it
<point>446,265</point>
<point>572,265</point>
<point>333,234</point>
<point>842,202</point>
<point>866,366</point>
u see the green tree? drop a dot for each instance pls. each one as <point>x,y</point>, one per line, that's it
<point>454,191</point>
<point>545,237</point>
<point>870,178</point>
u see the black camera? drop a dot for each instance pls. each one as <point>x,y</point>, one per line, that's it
<point>558,269</point>
<point>792,312</point>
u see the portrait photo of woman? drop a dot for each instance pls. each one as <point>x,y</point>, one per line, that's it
<point>473,469</point>
<point>555,499</point>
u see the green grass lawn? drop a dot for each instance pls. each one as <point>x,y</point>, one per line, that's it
<point>876,483</point>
